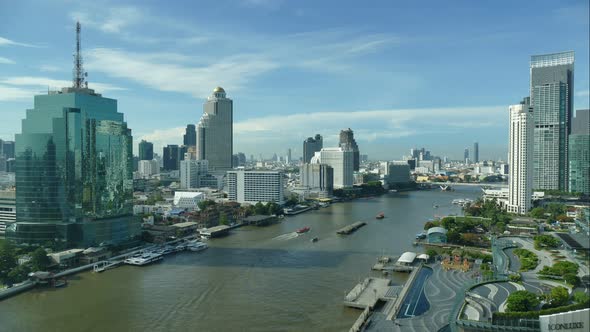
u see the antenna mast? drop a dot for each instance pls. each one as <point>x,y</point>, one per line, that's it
<point>79,73</point>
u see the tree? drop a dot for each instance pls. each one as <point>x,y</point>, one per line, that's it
<point>203,205</point>
<point>429,224</point>
<point>501,227</point>
<point>7,261</point>
<point>431,252</point>
<point>571,279</point>
<point>39,260</point>
<point>522,300</point>
<point>259,208</point>
<point>147,237</point>
<point>222,219</point>
<point>453,237</point>
<point>538,213</point>
<point>559,296</point>
<point>19,273</point>
<point>581,297</point>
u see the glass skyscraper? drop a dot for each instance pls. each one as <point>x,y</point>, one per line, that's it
<point>579,153</point>
<point>146,150</point>
<point>74,171</point>
<point>552,78</point>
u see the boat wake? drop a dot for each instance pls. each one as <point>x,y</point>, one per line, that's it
<point>287,236</point>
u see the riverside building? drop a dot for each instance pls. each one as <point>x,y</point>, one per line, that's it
<point>255,186</point>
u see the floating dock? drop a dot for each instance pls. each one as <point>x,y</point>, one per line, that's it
<point>351,228</point>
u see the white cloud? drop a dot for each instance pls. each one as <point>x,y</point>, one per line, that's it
<point>44,82</point>
<point>5,41</point>
<point>230,72</point>
<point>49,68</point>
<point>10,93</point>
<point>6,61</point>
<point>582,93</point>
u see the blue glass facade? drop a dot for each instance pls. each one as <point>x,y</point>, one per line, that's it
<point>74,169</point>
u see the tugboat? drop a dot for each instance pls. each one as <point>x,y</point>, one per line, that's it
<point>303,230</point>
<point>381,215</point>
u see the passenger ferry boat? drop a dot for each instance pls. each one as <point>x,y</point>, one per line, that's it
<point>144,259</point>
<point>303,230</point>
<point>381,215</point>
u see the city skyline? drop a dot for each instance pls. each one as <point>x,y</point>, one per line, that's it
<point>262,70</point>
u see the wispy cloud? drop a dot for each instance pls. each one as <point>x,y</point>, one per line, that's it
<point>6,61</point>
<point>231,72</point>
<point>11,93</point>
<point>8,42</point>
<point>44,82</point>
<point>582,93</point>
<point>49,68</point>
<point>266,4</point>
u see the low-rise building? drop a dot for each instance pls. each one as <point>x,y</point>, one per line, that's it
<point>255,186</point>
<point>7,209</point>
<point>188,200</point>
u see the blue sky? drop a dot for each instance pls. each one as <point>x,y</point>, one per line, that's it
<point>438,74</point>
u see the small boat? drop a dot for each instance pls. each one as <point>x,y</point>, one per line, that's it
<point>197,246</point>
<point>60,283</point>
<point>421,236</point>
<point>435,206</point>
<point>315,239</point>
<point>303,230</point>
<point>381,215</point>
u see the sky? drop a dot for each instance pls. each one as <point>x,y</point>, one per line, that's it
<point>433,74</point>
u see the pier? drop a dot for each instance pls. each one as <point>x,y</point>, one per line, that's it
<point>216,231</point>
<point>351,228</point>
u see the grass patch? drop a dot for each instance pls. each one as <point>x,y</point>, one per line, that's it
<point>528,259</point>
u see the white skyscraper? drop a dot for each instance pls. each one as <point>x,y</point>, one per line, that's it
<point>191,172</point>
<point>342,161</point>
<point>147,168</point>
<point>215,132</point>
<point>521,157</point>
<point>255,186</point>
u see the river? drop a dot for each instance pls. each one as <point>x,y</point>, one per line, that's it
<point>256,279</point>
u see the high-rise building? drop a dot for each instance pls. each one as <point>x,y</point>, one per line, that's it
<point>215,132</point>
<point>348,142</point>
<point>579,153</point>
<point>148,168</point>
<point>7,149</point>
<point>74,180</point>
<point>288,159</point>
<point>475,152</point>
<point>7,209</point>
<point>342,161</point>
<point>396,172</point>
<point>317,177</point>
<point>171,155</point>
<point>552,83</point>
<point>146,150</point>
<point>191,171</point>
<point>520,157</point>
<point>190,136</point>
<point>466,155</point>
<point>310,146</point>
<point>255,186</point>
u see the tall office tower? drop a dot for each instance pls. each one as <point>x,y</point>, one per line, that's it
<point>171,155</point>
<point>146,150</point>
<point>7,149</point>
<point>475,152</point>
<point>520,157</point>
<point>255,186</point>
<point>288,159</point>
<point>341,160</point>
<point>552,83</point>
<point>74,174</point>
<point>190,136</point>
<point>191,171</point>
<point>579,153</point>
<point>215,132</point>
<point>466,155</point>
<point>317,177</point>
<point>310,146</point>
<point>348,142</point>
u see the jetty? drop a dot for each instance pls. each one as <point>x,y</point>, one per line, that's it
<point>351,228</point>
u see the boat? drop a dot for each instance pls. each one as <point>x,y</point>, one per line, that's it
<point>435,206</point>
<point>392,190</point>
<point>145,259</point>
<point>60,283</point>
<point>381,215</point>
<point>197,246</point>
<point>315,239</point>
<point>303,230</point>
<point>421,235</point>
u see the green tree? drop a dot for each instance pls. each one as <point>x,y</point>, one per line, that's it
<point>7,261</point>
<point>223,219</point>
<point>39,260</point>
<point>538,213</point>
<point>572,279</point>
<point>203,205</point>
<point>453,237</point>
<point>559,296</point>
<point>19,273</point>
<point>501,227</point>
<point>431,252</point>
<point>522,300</point>
<point>581,297</point>
<point>259,208</point>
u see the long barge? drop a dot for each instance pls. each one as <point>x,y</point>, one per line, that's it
<point>351,228</point>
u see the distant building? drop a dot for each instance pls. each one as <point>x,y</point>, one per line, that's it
<point>171,155</point>
<point>347,142</point>
<point>342,161</point>
<point>317,177</point>
<point>520,157</point>
<point>190,136</point>
<point>7,209</point>
<point>7,149</point>
<point>475,152</point>
<point>146,150</point>
<point>215,132</point>
<point>310,146</point>
<point>288,159</point>
<point>552,90</point>
<point>397,172</point>
<point>579,153</point>
<point>188,200</point>
<point>148,168</point>
<point>255,186</point>
<point>466,155</point>
<point>191,172</point>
